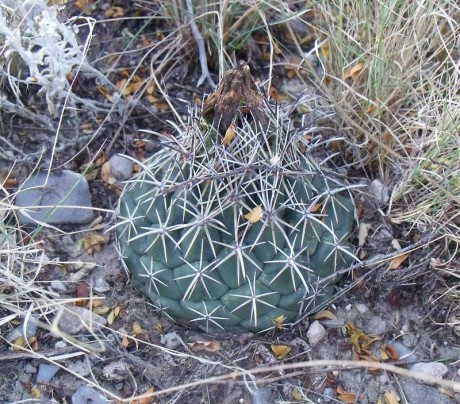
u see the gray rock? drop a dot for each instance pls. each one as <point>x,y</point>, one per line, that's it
<point>406,355</point>
<point>170,340</point>
<point>361,308</point>
<point>30,369</point>
<point>380,191</point>
<point>58,285</point>
<point>435,369</point>
<point>372,390</point>
<point>315,333</point>
<point>329,395</point>
<point>46,372</point>
<point>117,371</point>
<point>76,319</point>
<point>44,201</point>
<point>86,394</point>
<point>121,167</point>
<point>79,367</point>
<point>30,330</point>
<point>100,285</point>
<point>421,393</point>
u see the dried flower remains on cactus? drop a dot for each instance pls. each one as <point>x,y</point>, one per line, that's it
<point>237,91</point>
<point>236,235</point>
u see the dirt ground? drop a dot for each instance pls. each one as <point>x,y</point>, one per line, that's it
<point>395,305</point>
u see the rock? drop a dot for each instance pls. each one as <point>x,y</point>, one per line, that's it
<point>315,333</point>
<point>46,372</point>
<point>329,395</point>
<point>170,340</point>
<point>372,390</point>
<point>435,369</point>
<point>377,325</point>
<point>43,201</point>
<point>100,285</point>
<point>58,285</point>
<point>117,371</point>
<point>421,393</point>
<point>86,394</point>
<point>30,369</point>
<point>18,331</point>
<point>79,367</point>
<point>76,319</point>
<point>121,167</point>
<point>405,354</point>
<point>361,308</point>
<point>380,191</point>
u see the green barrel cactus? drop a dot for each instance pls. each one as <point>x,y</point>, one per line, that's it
<point>236,233</point>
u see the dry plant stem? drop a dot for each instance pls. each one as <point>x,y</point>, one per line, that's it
<point>343,364</point>
<point>205,76</point>
<point>15,356</point>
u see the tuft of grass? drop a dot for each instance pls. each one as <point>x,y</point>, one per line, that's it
<point>232,29</point>
<point>391,69</point>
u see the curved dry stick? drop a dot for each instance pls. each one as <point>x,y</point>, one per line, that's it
<point>345,364</point>
<point>201,48</point>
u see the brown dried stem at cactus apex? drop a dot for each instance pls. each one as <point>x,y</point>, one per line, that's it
<point>237,91</point>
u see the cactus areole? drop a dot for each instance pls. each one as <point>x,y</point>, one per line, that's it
<point>243,231</point>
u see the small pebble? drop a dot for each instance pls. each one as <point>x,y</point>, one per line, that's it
<point>361,308</point>
<point>77,319</point>
<point>435,369</point>
<point>121,167</point>
<point>46,372</point>
<point>328,395</point>
<point>170,340</point>
<point>380,191</point>
<point>18,331</point>
<point>58,285</point>
<point>116,371</point>
<point>86,394</point>
<point>316,333</point>
<point>30,369</point>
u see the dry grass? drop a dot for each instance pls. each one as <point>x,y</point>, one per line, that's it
<point>391,69</point>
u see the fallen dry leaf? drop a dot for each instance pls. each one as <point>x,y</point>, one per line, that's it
<point>391,352</point>
<point>208,346</point>
<point>346,396</point>
<point>82,294</point>
<point>325,314</point>
<point>281,351</point>
<point>296,395</point>
<point>137,329</point>
<point>254,215</point>
<point>363,233</point>
<point>93,242</point>
<point>372,107</point>
<point>278,321</point>
<point>147,399</point>
<point>35,392</point>
<point>397,261</point>
<point>229,135</point>
<point>115,12</point>
<point>315,208</point>
<point>275,95</point>
<point>353,72</point>
<point>126,342</point>
<point>113,314</point>
<point>106,173</point>
<point>101,310</point>
<point>390,398</point>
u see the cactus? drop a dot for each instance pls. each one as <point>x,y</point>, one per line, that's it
<point>236,234</point>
